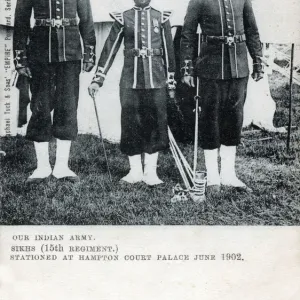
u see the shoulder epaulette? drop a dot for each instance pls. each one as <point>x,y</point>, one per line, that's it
<point>118,16</point>
<point>166,14</point>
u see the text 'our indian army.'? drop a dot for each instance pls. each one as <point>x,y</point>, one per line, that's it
<point>52,237</point>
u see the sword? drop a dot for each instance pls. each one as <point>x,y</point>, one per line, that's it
<point>101,137</point>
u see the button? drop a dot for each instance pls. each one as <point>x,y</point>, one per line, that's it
<point>143,36</point>
<point>230,33</point>
<point>58,17</point>
<point>58,9</point>
<point>57,2</point>
<point>229,26</point>
<point>143,23</point>
<point>228,20</point>
<point>143,29</point>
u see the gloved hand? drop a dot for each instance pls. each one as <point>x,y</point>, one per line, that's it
<point>257,74</point>
<point>258,70</point>
<point>94,88</point>
<point>25,71</point>
<point>188,80</point>
<point>87,66</point>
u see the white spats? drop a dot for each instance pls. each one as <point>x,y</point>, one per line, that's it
<point>61,168</point>
<point>43,169</point>
<point>212,168</point>
<point>136,170</point>
<point>228,175</point>
<point>150,166</point>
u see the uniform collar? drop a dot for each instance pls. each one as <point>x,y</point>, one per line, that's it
<point>140,8</point>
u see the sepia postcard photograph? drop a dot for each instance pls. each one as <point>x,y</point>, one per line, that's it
<point>149,112</point>
<point>99,114</point>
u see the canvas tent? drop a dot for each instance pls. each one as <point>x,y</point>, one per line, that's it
<point>278,25</point>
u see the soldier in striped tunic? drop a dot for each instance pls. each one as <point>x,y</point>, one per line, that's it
<point>149,66</point>
<point>52,61</point>
<point>228,29</point>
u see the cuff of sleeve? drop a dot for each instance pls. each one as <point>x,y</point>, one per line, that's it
<point>187,69</point>
<point>99,77</point>
<point>258,65</point>
<point>257,60</point>
<point>89,55</point>
<point>20,59</point>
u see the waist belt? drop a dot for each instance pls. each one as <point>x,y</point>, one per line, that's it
<point>144,52</point>
<point>228,40</point>
<point>56,22</point>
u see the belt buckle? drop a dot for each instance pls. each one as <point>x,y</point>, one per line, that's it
<point>56,23</point>
<point>229,40</point>
<point>143,52</point>
<point>150,52</point>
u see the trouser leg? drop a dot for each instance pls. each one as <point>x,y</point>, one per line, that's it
<point>66,100</point>
<point>42,86</point>
<point>155,133</point>
<point>143,121</point>
<point>131,125</point>
<point>209,130</point>
<point>232,111</point>
<point>220,125</point>
<point>221,117</point>
<point>155,121</point>
<point>54,86</point>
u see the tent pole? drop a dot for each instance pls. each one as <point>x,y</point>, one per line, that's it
<point>290,98</point>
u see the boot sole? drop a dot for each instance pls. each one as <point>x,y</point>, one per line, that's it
<point>125,181</point>
<point>68,178</point>
<point>36,180</point>
<point>239,188</point>
<point>159,183</point>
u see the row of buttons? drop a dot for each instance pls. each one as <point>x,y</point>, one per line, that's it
<point>58,9</point>
<point>143,29</point>
<point>229,20</point>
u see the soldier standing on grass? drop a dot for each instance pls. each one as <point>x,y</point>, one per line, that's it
<point>228,28</point>
<point>149,67</point>
<point>52,61</point>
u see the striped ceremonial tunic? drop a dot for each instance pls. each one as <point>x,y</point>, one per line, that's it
<point>140,28</point>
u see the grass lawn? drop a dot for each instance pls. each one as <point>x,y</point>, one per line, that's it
<point>273,174</point>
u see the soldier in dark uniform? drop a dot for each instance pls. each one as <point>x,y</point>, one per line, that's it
<point>52,61</point>
<point>228,29</point>
<point>149,67</point>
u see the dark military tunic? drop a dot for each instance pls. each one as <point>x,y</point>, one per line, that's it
<point>59,42</point>
<point>228,30</point>
<point>53,55</point>
<point>220,18</point>
<point>149,62</point>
